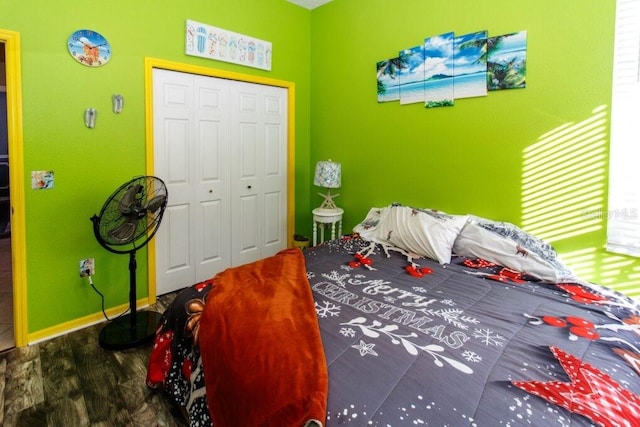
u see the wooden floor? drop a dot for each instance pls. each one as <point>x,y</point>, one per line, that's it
<point>6,294</point>
<point>71,381</point>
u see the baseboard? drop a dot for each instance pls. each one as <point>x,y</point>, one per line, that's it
<point>80,323</point>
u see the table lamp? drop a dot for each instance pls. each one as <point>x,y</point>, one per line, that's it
<point>328,175</point>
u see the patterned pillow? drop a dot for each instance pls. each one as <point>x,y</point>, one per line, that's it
<point>427,233</point>
<point>511,247</point>
<point>367,228</point>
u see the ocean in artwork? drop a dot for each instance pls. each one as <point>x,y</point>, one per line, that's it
<point>465,86</point>
<point>470,85</point>
<point>411,93</point>
<point>470,65</point>
<point>391,92</point>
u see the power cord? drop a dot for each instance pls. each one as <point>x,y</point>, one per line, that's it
<point>104,313</point>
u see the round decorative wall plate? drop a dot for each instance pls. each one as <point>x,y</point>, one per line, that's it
<point>89,48</point>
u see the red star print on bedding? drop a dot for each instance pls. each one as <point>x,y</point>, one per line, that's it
<point>632,359</point>
<point>591,393</point>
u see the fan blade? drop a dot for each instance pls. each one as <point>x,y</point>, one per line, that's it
<point>125,231</point>
<point>127,203</point>
<point>156,203</point>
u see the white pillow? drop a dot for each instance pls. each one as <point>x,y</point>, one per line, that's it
<point>427,233</point>
<point>507,245</point>
<point>367,228</point>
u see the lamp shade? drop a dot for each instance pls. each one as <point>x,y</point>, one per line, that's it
<point>328,174</point>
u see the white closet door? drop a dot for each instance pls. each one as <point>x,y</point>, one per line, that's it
<point>191,150</point>
<point>173,133</point>
<point>211,168</point>
<point>221,148</point>
<point>259,171</point>
<point>274,220</point>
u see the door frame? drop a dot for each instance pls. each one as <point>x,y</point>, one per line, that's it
<point>149,65</point>
<point>11,40</point>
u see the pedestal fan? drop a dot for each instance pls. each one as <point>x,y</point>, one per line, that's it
<point>128,220</point>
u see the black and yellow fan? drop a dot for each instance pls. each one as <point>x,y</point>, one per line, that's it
<point>128,220</point>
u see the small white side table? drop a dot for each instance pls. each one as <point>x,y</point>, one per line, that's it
<point>326,216</point>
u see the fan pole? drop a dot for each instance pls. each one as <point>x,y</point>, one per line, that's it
<point>133,266</point>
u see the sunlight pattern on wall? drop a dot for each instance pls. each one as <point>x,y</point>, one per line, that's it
<point>563,180</point>
<point>564,196</point>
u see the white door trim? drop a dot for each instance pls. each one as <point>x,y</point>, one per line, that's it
<point>150,64</point>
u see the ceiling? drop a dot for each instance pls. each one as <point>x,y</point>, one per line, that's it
<point>309,4</point>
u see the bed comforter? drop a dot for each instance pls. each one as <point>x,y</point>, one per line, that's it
<point>421,343</point>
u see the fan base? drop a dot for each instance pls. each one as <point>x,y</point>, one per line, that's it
<point>119,334</point>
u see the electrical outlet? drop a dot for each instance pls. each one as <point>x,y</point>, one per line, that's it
<point>87,267</point>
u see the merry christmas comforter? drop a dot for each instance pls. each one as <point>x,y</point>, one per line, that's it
<point>412,342</point>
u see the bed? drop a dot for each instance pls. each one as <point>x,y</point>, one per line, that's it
<point>418,318</point>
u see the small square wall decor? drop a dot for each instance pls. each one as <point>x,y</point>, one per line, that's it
<point>41,180</point>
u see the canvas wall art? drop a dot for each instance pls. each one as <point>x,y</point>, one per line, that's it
<point>216,43</point>
<point>449,67</point>
<point>438,71</point>
<point>412,75</point>
<point>388,72</point>
<point>507,61</point>
<point>470,65</point>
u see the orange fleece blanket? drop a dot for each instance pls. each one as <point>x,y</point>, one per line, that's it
<point>261,348</point>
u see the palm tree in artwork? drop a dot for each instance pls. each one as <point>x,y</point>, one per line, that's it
<point>504,75</point>
<point>481,45</point>
<point>391,68</point>
<point>507,75</point>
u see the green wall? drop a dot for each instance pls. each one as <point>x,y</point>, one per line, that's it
<point>90,164</point>
<point>470,158</point>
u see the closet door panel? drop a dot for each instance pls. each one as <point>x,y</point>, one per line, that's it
<point>173,153</point>
<point>211,167</point>
<point>246,194</point>
<point>178,253</point>
<point>274,179</point>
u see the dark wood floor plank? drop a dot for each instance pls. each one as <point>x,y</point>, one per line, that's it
<point>59,372</point>
<point>23,388</point>
<point>71,381</point>
<point>3,372</point>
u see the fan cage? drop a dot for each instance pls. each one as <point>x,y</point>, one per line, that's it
<point>132,214</point>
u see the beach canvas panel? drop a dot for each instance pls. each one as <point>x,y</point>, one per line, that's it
<point>388,72</point>
<point>470,65</point>
<point>412,75</point>
<point>507,61</point>
<point>438,71</point>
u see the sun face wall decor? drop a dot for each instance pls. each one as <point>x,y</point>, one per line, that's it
<point>89,48</point>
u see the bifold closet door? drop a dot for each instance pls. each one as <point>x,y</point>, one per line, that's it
<point>221,148</point>
<point>191,154</point>
<point>258,171</point>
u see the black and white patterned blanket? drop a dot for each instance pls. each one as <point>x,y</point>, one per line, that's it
<point>468,343</point>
